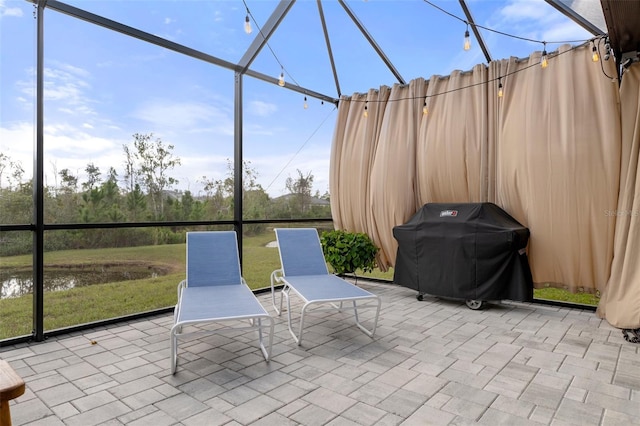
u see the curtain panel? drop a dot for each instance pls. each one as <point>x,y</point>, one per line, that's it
<point>392,179</point>
<point>451,151</point>
<point>620,301</point>
<point>558,165</point>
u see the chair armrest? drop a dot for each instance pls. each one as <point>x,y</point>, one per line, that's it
<point>181,286</point>
<point>276,278</point>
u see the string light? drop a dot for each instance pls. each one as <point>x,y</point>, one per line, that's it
<point>499,79</point>
<point>247,24</point>
<point>305,103</point>
<point>467,40</point>
<point>594,57</point>
<point>365,114</point>
<point>425,109</point>
<point>543,59</point>
<point>247,29</point>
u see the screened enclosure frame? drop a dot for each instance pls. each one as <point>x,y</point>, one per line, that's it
<point>38,227</point>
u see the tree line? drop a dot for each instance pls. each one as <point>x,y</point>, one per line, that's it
<point>144,192</point>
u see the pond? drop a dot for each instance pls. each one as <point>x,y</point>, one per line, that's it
<point>20,283</point>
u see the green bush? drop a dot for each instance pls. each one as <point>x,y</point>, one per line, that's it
<point>348,251</point>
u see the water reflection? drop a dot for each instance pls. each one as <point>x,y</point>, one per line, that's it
<point>16,284</point>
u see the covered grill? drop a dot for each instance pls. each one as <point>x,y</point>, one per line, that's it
<point>470,251</point>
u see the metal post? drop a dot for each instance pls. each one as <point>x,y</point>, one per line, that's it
<point>38,185</point>
<point>237,161</point>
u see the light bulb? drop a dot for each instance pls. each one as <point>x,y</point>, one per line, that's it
<point>467,41</point>
<point>305,103</point>
<point>543,59</point>
<point>247,25</point>
<point>366,112</point>
<point>500,90</point>
<point>425,109</point>
<point>281,79</point>
<point>594,56</point>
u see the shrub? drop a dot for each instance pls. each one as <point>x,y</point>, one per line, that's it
<point>348,251</point>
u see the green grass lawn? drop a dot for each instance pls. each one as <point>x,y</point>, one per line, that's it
<point>103,301</point>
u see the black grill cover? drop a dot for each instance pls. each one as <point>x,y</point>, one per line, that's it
<point>467,251</point>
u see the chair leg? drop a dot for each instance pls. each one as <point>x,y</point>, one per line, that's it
<point>371,332</point>
<point>304,308</point>
<point>174,347</point>
<point>5,413</point>
<point>289,322</point>
<point>338,307</point>
<point>273,301</point>
<point>266,351</point>
<point>11,386</point>
<point>276,279</point>
<point>282,294</point>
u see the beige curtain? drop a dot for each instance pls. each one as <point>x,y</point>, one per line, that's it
<point>557,165</point>
<point>336,160</point>
<point>392,181</point>
<point>451,152</point>
<point>352,154</point>
<point>620,302</point>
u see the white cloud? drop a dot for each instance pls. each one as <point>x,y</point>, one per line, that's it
<point>192,116</point>
<point>9,11</point>
<point>169,21</point>
<point>259,130</point>
<point>193,168</point>
<point>274,170</point>
<point>537,20</point>
<point>518,10</point>
<point>271,174</point>
<point>17,141</point>
<point>565,31</point>
<point>72,141</point>
<point>262,109</point>
<point>66,147</point>
<point>65,86</point>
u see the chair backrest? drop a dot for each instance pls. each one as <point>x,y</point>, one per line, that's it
<point>212,259</point>
<point>300,252</point>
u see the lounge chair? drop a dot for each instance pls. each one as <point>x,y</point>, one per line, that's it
<point>304,272</point>
<point>215,292</point>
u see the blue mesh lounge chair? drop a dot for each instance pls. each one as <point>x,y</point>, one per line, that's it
<point>215,292</point>
<point>304,272</point>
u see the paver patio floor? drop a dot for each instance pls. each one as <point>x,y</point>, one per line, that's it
<point>431,362</point>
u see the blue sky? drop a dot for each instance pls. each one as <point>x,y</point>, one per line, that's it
<point>102,87</point>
